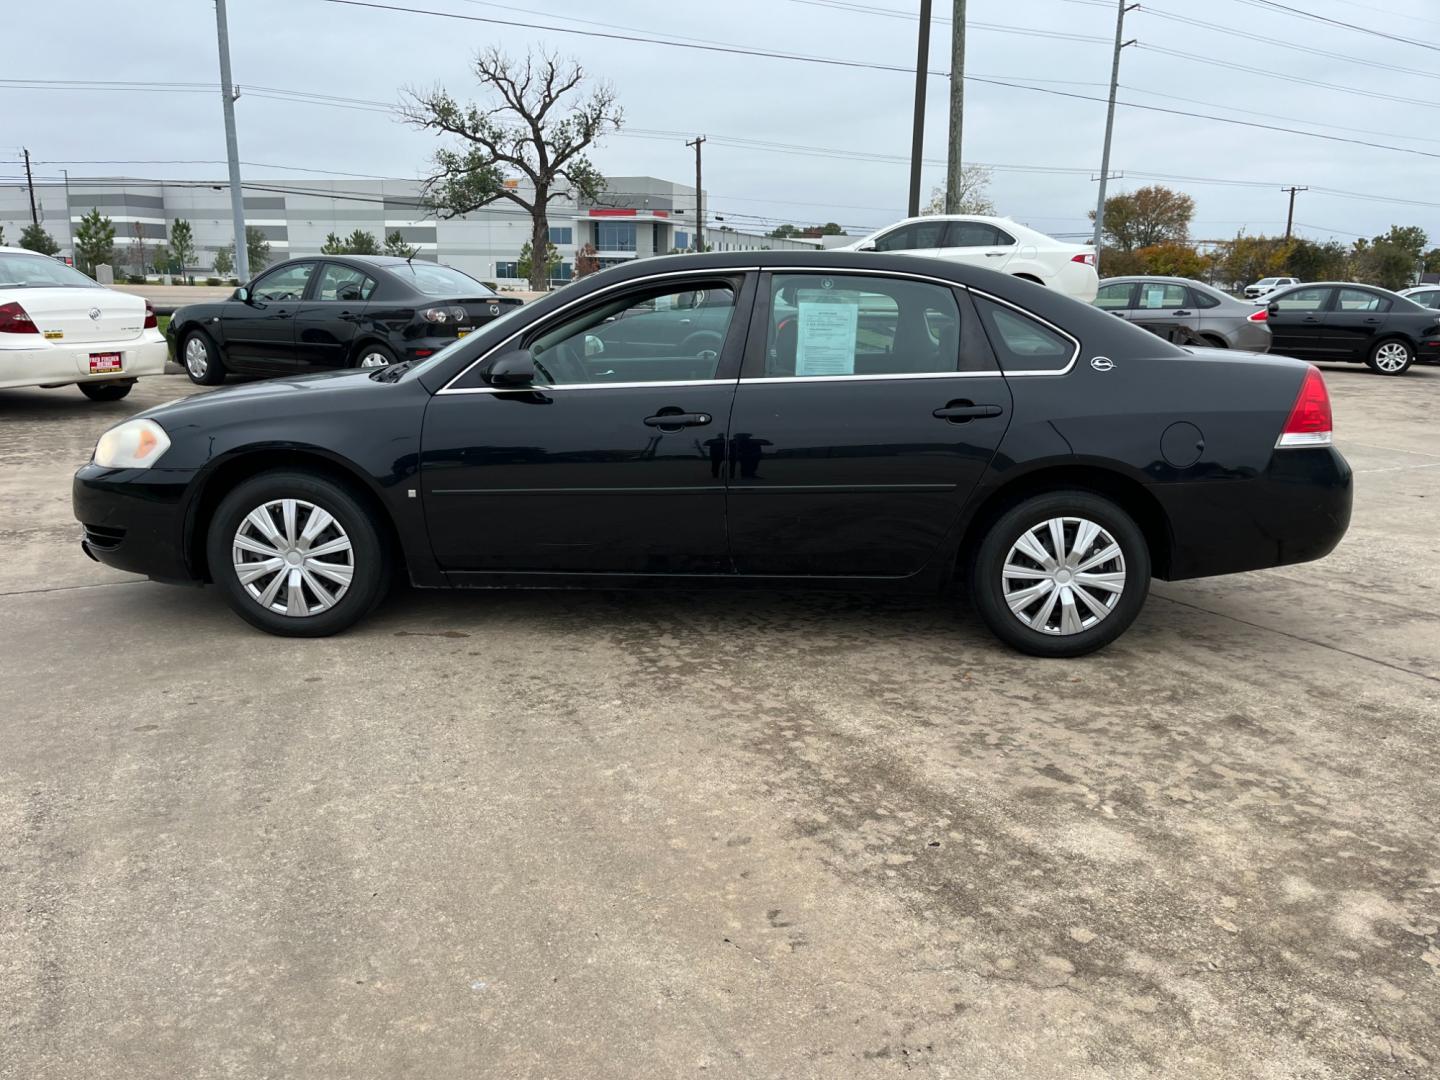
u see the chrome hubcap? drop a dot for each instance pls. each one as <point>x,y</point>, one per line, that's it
<point>1391,357</point>
<point>1063,575</point>
<point>293,558</point>
<point>374,359</point>
<point>197,358</point>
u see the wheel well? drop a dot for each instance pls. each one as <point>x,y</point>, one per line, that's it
<point>1215,340</point>
<point>1028,277</point>
<point>1128,494</point>
<point>363,340</point>
<point>239,469</point>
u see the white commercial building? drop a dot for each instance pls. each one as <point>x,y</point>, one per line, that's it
<point>636,217</point>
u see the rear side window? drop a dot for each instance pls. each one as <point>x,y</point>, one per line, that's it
<point>1203,299</point>
<point>917,236</point>
<point>1161,296</point>
<point>1360,300</point>
<point>344,283</point>
<point>977,234</point>
<point>824,325</point>
<point>1024,343</point>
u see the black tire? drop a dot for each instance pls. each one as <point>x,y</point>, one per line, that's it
<point>200,357</point>
<point>365,355</point>
<point>369,557</point>
<point>988,582</point>
<point>107,391</point>
<point>1385,354</point>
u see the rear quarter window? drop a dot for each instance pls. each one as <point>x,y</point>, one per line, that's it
<point>1023,343</point>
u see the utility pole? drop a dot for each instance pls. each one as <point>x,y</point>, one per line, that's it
<point>917,137</point>
<point>957,107</point>
<point>232,147</point>
<point>1290,217</point>
<point>699,198</point>
<point>30,183</point>
<point>1120,43</point>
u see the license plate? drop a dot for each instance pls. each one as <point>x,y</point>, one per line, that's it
<point>462,331</point>
<point>105,363</point>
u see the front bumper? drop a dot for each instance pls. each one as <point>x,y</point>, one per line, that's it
<point>59,363</point>
<point>1296,511</point>
<point>134,519</point>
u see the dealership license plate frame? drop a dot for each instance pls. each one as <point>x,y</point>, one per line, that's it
<point>107,363</point>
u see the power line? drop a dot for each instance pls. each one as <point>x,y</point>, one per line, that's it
<point>1271,5</point>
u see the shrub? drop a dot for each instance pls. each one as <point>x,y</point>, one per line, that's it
<point>213,281</point>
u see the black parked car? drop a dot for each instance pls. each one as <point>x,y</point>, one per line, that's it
<point>1356,323</point>
<point>332,312</point>
<point>874,419</point>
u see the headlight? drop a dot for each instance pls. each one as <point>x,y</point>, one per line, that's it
<point>135,444</point>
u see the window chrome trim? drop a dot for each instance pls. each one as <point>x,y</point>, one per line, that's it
<point>545,388</point>
<point>448,388</point>
<point>1074,356</point>
<point>997,374</point>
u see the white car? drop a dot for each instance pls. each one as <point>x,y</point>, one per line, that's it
<point>57,328</point>
<point>996,244</point>
<point>1424,295</point>
<point>1266,285</point>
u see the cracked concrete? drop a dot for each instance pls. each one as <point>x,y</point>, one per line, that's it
<point>751,834</point>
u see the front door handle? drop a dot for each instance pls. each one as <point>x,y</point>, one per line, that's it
<point>1374,320</point>
<point>962,412</point>
<point>1310,318</point>
<point>1180,313</point>
<point>994,254</point>
<point>675,420</point>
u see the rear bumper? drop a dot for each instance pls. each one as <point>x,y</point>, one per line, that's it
<point>133,519</point>
<point>1297,511</point>
<point>59,363</point>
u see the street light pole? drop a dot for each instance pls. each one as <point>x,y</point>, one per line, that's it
<point>699,199</point>
<point>232,147</point>
<point>1120,43</point>
<point>957,107</point>
<point>917,137</point>
<point>1290,217</point>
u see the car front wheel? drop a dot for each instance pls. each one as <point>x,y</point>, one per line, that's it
<point>1391,358</point>
<point>297,554</point>
<point>374,355</point>
<point>1061,574</point>
<point>202,360</point>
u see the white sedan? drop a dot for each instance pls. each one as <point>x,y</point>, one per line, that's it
<point>996,244</point>
<point>57,328</point>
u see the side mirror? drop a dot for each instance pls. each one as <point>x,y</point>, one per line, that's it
<point>868,245</point>
<point>512,369</point>
<point>1273,309</point>
<point>242,294</point>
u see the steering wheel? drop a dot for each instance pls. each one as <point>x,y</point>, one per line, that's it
<point>701,342</point>
<point>562,364</point>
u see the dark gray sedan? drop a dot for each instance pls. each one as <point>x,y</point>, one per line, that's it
<point>1186,312</point>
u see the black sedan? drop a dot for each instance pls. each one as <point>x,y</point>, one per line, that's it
<point>332,312</point>
<point>873,419</point>
<point>1360,324</point>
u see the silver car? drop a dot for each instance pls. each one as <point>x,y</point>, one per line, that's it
<point>1424,295</point>
<point>1186,312</point>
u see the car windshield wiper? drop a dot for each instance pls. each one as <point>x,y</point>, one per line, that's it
<point>391,372</point>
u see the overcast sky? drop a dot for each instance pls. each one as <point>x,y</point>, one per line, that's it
<point>357,53</point>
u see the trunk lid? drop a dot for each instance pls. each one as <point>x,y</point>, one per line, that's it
<point>71,316</point>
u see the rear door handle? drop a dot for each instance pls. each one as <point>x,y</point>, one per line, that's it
<point>1374,320</point>
<point>1180,313</point>
<point>677,420</point>
<point>994,254</point>
<point>1310,318</point>
<point>961,412</point>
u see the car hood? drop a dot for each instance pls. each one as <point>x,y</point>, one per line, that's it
<point>300,393</point>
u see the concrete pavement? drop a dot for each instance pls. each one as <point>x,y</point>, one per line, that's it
<point>748,834</point>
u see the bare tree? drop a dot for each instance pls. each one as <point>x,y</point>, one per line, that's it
<point>973,196</point>
<point>530,133</point>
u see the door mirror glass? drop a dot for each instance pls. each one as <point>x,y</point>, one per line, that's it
<point>512,369</point>
<point>1273,309</point>
<point>242,294</point>
<point>868,245</point>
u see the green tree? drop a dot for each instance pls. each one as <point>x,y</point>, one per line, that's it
<point>1170,259</point>
<point>530,133</point>
<point>358,242</point>
<point>36,238</point>
<point>225,261</point>
<point>1145,217</point>
<point>784,231</point>
<point>182,246</point>
<point>395,245</point>
<point>1249,258</point>
<point>257,252</point>
<point>94,241</point>
<point>1310,260</point>
<point>525,265</point>
<point>1432,261</point>
<point>1391,260</point>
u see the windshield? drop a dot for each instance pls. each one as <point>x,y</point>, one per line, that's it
<point>18,271</point>
<point>432,279</point>
<point>460,343</point>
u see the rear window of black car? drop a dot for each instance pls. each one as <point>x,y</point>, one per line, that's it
<point>433,279</point>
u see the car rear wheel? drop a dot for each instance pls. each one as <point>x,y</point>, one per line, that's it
<point>107,391</point>
<point>202,360</point>
<point>1061,574</point>
<point>297,554</point>
<point>374,355</point>
<point>1391,358</point>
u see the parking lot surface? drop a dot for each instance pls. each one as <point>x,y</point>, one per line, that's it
<point>732,834</point>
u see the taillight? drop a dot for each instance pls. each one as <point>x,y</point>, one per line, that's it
<point>1260,316</point>
<point>1086,257</point>
<point>444,314</point>
<point>1309,423</point>
<point>151,322</point>
<point>14,319</point>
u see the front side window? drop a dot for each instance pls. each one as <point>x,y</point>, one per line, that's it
<point>1023,343</point>
<point>1361,300</point>
<point>1303,300</point>
<point>1160,296</point>
<point>1115,296</point>
<point>344,283</point>
<point>917,236</point>
<point>674,333</point>
<point>286,283</point>
<point>19,271</point>
<point>844,325</point>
